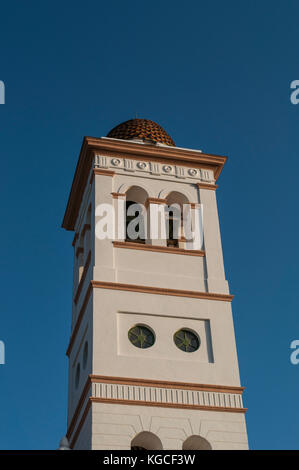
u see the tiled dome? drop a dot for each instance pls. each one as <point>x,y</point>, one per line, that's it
<point>141,129</point>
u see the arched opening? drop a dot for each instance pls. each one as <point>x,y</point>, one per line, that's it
<point>196,443</point>
<point>174,212</point>
<point>146,441</point>
<point>136,214</point>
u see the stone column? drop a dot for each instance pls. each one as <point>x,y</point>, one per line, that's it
<point>216,281</point>
<point>196,218</point>
<point>119,205</point>
<point>156,223</point>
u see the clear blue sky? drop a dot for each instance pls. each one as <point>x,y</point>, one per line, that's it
<point>216,75</point>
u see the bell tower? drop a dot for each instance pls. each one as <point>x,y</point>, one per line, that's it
<point>152,354</point>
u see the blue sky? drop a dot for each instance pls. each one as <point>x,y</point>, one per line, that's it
<point>217,76</point>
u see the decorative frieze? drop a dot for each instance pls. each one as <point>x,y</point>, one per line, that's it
<point>167,396</point>
<point>154,168</point>
<point>205,175</point>
<point>142,165</point>
<point>129,165</point>
<point>193,172</point>
<point>101,162</point>
<point>180,171</point>
<point>167,169</point>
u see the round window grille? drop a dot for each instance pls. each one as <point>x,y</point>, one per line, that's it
<point>141,336</point>
<point>186,340</point>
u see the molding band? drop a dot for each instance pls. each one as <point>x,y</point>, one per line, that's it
<point>166,384</point>
<point>161,291</point>
<point>98,171</point>
<point>154,200</point>
<point>207,186</point>
<point>157,393</point>
<point>167,405</point>
<point>157,248</point>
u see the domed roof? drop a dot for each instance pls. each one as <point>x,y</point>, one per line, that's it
<point>141,129</point>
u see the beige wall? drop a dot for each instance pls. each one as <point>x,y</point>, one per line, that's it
<point>115,426</point>
<point>113,354</point>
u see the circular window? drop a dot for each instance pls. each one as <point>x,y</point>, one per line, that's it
<point>77,378</point>
<point>85,354</point>
<point>186,340</point>
<point>141,336</point>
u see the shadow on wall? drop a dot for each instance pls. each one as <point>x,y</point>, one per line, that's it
<point>148,441</point>
<point>196,443</point>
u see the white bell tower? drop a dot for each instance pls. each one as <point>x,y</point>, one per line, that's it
<point>152,355</point>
